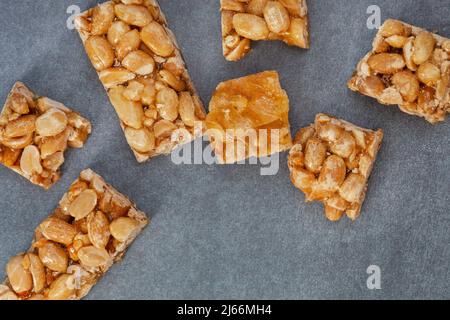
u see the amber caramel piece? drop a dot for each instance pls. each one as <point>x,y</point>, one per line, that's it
<point>34,134</point>
<point>76,245</point>
<point>249,117</point>
<point>244,21</point>
<point>331,161</point>
<point>409,67</point>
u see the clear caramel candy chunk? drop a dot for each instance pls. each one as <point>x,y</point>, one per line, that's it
<point>249,118</point>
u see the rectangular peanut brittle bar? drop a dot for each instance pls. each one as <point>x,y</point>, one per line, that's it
<point>249,117</point>
<point>141,67</point>
<point>408,67</point>
<point>247,20</point>
<point>76,245</point>
<point>34,134</point>
<point>331,161</point>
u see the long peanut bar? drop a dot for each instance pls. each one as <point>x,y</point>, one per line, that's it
<point>244,21</point>
<point>140,65</point>
<point>331,161</point>
<point>34,134</point>
<point>76,245</point>
<point>409,67</point>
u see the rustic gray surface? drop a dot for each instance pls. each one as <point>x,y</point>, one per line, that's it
<point>225,231</point>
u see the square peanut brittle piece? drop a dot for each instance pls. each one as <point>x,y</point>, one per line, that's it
<point>249,117</point>
<point>247,20</point>
<point>331,162</point>
<point>408,67</point>
<point>140,65</point>
<point>76,245</point>
<point>34,134</point>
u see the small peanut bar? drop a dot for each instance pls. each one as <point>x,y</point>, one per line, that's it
<point>140,65</point>
<point>247,20</point>
<point>331,162</point>
<point>249,117</point>
<point>76,245</point>
<point>408,67</point>
<point>34,134</point>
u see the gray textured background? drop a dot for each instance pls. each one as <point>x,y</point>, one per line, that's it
<point>225,231</point>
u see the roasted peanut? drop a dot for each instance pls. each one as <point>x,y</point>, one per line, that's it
<point>51,123</point>
<point>372,86</point>
<point>102,18</point>
<point>167,104</point>
<point>54,161</point>
<point>93,257</point>
<point>163,128</point>
<point>123,228</point>
<point>112,77</point>
<point>295,7</point>
<point>297,35</point>
<point>303,179</point>
<point>134,91</point>
<point>20,127</point>
<point>19,142</point>
<point>60,288</point>
<point>353,188</point>
<point>135,15</point>
<point>423,47</point>
<point>100,52</point>
<point>83,204</point>
<point>315,153</point>
<point>408,85</point>
<point>186,108</point>
<point>141,140</point>
<point>129,42</point>
<point>276,16</point>
<point>396,41</point>
<point>98,229</point>
<point>37,271</point>
<point>171,80</point>
<point>116,31</point>
<point>256,7</point>
<point>51,145</point>
<point>30,161</point>
<point>19,104</point>
<point>130,112</point>
<point>428,74</point>
<point>53,257</point>
<point>408,51</point>
<point>139,62</point>
<point>232,5</point>
<point>393,28</point>
<point>386,63</point>
<point>250,26</point>
<point>156,38</point>
<point>344,146</point>
<point>57,230</point>
<point>332,174</point>
<point>20,278</point>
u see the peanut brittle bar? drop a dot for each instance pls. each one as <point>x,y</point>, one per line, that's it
<point>408,67</point>
<point>247,20</point>
<point>34,134</point>
<point>140,65</point>
<point>331,161</point>
<point>76,245</point>
<point>249,117</point>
